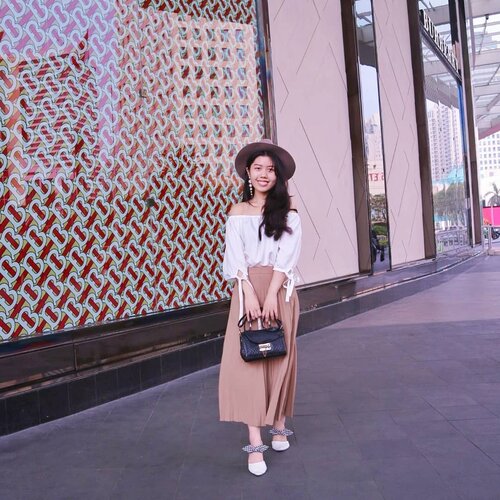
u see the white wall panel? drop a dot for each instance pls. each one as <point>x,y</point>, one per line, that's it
<point>399,131</point>
<point>313,124</point>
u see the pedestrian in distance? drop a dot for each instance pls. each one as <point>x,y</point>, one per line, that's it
<point>376,247</point>
<point>263,238</point>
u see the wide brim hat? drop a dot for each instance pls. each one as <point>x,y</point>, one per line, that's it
<point>264,145</point>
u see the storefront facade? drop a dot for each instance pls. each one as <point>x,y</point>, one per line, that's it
<point>119,125</point>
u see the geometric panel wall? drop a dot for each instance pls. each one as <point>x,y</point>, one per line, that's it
<point>313,123</point>
<point>119,122</point>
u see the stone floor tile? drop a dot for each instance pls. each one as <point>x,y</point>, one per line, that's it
<point>481,487</point>
<point>429,489</point>
<point>342,490</point>
<point>469,464</point>
<point>489,445</point>
<point>444,446</point>
<point>429,429</point>
<point>479,426</point>
<point>157,481</point>
<point>76,483</point>
<point>401,469</point>
<point>422,415</point>
<point>443,400</point>
<point>265,488</point>
<point>330,451</point>
<point>337,470</point>
<point>388,448</point>
<point>324,431</point>
<point>375,430</point>
<point>209,490</point>
<point>363,417</point>
<point>465,412</point>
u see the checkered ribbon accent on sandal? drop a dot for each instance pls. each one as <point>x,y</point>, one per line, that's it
<point>280,432</point>
<point>261,448</point>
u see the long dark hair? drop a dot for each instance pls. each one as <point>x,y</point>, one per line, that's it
<point>277,203</point>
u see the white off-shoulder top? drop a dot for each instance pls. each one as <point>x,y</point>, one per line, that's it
<point>244,249</point>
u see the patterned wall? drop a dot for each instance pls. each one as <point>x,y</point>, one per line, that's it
<point>397,100</point>
<point>313,123</point>
<point>119,122</point>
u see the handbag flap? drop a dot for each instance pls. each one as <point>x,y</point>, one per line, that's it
<point>262,336</point>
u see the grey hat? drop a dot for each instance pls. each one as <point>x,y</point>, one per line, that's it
<point>288,163</point>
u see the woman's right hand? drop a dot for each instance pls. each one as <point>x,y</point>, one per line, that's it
<point>252,306</point>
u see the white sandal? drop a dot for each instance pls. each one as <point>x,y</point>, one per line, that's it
<point>257,468</point>
<point>280,445</point>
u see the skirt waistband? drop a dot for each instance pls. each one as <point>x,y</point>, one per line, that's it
<point>260,270</point>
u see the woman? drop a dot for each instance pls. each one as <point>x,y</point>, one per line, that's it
<point>263,236</point>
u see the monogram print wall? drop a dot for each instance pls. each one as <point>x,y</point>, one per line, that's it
<point>119,122</point>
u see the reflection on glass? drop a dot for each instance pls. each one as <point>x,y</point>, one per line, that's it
<point>446,154</point>
<point>489,174</point>
<point>374,151</point>
<point>118,125</point>
<point>439,12</point>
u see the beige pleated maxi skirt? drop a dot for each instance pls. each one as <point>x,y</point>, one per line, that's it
<point>259,392</point>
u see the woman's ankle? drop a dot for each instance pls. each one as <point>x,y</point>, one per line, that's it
<point>279,424</point>
<point>254,436</point>
<point>279,431</point>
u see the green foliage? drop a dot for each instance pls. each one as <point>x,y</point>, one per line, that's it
<point>449,203</point>
<point>494,196</point>
<point>380,228</point>
<point>378,208</point>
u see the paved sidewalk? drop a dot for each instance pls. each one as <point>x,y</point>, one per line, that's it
<point>401,402</point>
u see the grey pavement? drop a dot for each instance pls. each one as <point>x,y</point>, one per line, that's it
<point>401,402</point>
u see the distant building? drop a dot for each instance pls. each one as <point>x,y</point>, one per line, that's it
<point>374,155</point>
<point>489,165</point>
<point>445,140</point>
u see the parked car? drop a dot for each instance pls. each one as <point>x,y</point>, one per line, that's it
<point>495,232</point>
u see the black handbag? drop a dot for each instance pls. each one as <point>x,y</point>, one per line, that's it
<point>262,343</point>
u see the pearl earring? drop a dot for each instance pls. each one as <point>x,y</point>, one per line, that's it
<point>250,188</point>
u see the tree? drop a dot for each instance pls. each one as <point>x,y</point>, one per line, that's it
<point>494,200</point>
<point>449,203</point>
<point>378,208</point>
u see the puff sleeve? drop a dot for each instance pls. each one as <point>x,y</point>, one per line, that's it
<point>288,252</point>
<point>234,265</point>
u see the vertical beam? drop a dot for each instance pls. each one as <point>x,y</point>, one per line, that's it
<point>454,29</point>
<point>357,136</point>
<point>265,69</point>
<point>457,35</point>
<point>470,132</point>
<point>422,132</point>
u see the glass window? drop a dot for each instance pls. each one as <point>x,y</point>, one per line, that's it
<point>446,153</point>
<point>374,149</point>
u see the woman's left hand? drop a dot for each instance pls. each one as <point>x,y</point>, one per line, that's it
<point>270,308</point>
